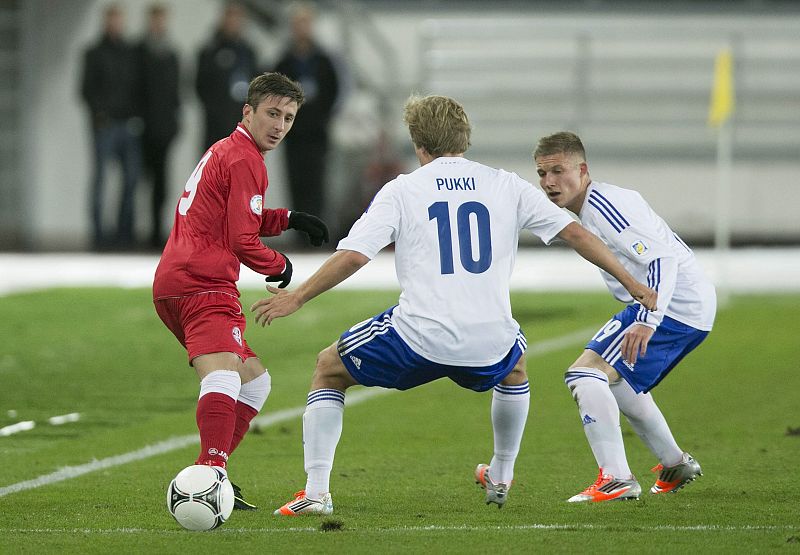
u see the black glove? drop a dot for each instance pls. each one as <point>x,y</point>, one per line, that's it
<point>283,278</point>
<point>312,226</point>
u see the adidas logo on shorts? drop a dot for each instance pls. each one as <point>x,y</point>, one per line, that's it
<point>356,361</point>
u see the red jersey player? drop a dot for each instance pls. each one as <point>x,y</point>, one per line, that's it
<point>218,222</point>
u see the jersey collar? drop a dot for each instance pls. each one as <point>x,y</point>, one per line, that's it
<point>589,188</point>
<point>241,129</point>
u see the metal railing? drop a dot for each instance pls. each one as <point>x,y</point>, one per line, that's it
<point>641,90</point>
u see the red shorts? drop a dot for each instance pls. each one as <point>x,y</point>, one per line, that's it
<point>206,323</point>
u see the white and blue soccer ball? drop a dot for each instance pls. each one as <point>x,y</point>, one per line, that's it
<point>200,497</point>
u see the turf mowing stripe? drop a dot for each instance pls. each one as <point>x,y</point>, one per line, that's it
<point>432,528</point>
<point>561,342</point>
<point>166,446</point>
<point>69,472</point>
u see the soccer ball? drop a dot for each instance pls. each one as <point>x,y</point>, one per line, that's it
<point>200,497</point>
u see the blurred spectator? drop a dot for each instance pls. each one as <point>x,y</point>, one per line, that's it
<point>307,146</point>
<point>110,88</point>
<point>160,105</point>
<point>224,69</point>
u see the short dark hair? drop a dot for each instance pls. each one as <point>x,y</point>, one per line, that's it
<point>274,84</point>
<point>564,142</point>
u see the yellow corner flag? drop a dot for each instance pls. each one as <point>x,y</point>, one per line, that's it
<point>722,95</point>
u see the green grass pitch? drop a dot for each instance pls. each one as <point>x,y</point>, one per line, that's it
<point>402,480</point>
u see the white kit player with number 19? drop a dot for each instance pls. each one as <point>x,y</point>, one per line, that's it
<point>455,224</point>
<point>637,347</point>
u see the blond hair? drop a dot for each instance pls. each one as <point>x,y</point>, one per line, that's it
<point>438,124</point>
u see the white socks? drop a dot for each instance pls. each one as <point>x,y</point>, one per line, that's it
<point>322,428</point>
<point>600,415</point>
<point>510,405</point>
<point>648,423</point>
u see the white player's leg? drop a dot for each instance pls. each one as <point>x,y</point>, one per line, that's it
<point>322,428</point>
<point>647,421</point>
<point>588,382</point>
<point>676,468</point>
<point>510,404</point>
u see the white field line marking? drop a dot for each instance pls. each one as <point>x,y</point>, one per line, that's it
<point>432,528</point>
<point>64,418</point>
<point>561,342</point>
<point>166,446</point>
<point>359,396</point>
<point>23,426</point>
<point>27,425</point>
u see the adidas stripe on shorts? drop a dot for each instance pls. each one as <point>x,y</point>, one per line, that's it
<point>671,342</point>
<point>375,355</point>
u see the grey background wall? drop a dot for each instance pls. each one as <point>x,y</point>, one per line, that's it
<point>525,83</point>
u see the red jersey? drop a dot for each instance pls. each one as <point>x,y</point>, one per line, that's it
<point>218,222</point>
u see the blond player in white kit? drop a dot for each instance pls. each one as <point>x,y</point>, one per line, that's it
<point>455,224</point>
<point>637,347</point>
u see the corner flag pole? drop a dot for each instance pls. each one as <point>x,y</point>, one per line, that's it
<point>719,117</point>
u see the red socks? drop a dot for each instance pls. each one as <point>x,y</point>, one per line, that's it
<point>216,420</point>
<point>244,415</point>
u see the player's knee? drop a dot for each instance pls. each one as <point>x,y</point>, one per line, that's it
<point>330,372</point>
<point>590,359</point>
<point>518,375</point>
<point>326,361</point>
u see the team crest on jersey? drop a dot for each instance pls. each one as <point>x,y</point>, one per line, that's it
<point>257,204</point>
<point>639,247</point>
<point>237,335</point>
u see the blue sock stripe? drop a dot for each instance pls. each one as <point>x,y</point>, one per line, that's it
<point>512,391</point>
<point>325,395</point>
<point>520,389</point>
<point>325,398</point>
<point>572,376</point>
<point>523,385</point>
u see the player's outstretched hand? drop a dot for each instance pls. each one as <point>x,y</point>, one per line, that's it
<point>285,277</point>
<point>634,344</point>
<point>312,226</point>
<point>281,304</point>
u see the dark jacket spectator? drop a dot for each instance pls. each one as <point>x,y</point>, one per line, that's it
<point>307,147</point>
<point>110,87</point>
<point>111,80</point>
<point>225,66</point>
<point>160,110</point>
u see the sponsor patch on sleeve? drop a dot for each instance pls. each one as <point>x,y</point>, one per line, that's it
<point>257,204</point>
<point>639,247</point>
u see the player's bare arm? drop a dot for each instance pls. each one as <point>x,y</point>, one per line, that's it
<point>590,247</point>
<point>337,268</point>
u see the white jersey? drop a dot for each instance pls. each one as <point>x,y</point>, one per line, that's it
<point>455,224</point>
<point>652,253</point>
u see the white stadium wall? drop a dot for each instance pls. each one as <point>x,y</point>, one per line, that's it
<point>765,196</point>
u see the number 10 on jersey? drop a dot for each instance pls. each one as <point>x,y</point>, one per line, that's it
<point>440,211</point>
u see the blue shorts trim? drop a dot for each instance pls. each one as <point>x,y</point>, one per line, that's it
<point>671,342</point>
<point>375,355</point>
